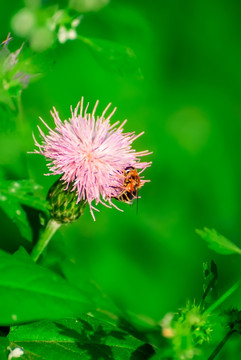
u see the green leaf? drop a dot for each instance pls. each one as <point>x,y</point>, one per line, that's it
<point>113,56</point>
<point>233,319</point>
<point>5,98</point>
<point>30,292</point>
<point>4,343</point>
<point>218,242</point>
<point>84,338</point>
<point>13,194</point>
<point>14,211</point>
<point>23,191</point>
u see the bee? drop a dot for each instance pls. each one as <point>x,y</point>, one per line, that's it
<point>131,184</point>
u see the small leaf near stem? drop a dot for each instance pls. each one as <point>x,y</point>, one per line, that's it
<point>51,228</point>
<point>221,344</point>
<point>218,242</point>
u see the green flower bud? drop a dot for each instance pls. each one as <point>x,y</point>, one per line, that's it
<point>62,203</point>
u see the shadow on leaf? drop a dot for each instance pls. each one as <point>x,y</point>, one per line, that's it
<point>94,341</point>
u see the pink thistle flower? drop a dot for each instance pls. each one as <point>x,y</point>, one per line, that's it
<point>90,154</point>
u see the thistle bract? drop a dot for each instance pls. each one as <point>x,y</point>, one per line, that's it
<point>62,203</point>
<point>90,154</point>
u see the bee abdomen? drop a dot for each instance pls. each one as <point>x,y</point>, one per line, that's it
<point>126,196</point>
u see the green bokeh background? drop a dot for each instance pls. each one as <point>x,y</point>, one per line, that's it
<point>189,105</point>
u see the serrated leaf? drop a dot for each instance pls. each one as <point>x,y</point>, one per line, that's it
<point>84,338</point>
<point>113,56</point>
<point>13,194</point>
<point>30,292</point>
<point>22,254</point>
<point>218,243</point>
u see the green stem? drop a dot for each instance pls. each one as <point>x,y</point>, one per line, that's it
<point>19,114</point>
<point>210,285</point>
<point>220,345</point>
<point>223,297</point>
<point>20,108</point>
<point>44,239</point>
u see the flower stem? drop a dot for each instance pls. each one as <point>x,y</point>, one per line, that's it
<point>223,298</point>
<point>20,108</point>
<point>220,345</point>
<point>51,228</point>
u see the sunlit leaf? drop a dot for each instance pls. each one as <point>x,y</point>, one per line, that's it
<point>113,56</point>
<point>84,338</point>
<point>218,242</point>
<point>30,292</point>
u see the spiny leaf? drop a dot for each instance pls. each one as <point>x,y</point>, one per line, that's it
<point>218,243</point>
<point>84,338</point>
<point>23,191</point>
<point>13,194</point>
<point>113,56</point>
<point>30,292</point>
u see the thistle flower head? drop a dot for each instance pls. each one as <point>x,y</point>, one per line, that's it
<point>91,154</point>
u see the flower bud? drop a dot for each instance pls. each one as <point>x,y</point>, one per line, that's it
<point>63,205</point>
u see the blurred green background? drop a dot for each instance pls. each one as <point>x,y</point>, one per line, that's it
<point>189,105</point>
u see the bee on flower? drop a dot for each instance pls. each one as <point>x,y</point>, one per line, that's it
<point>94,158</point>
